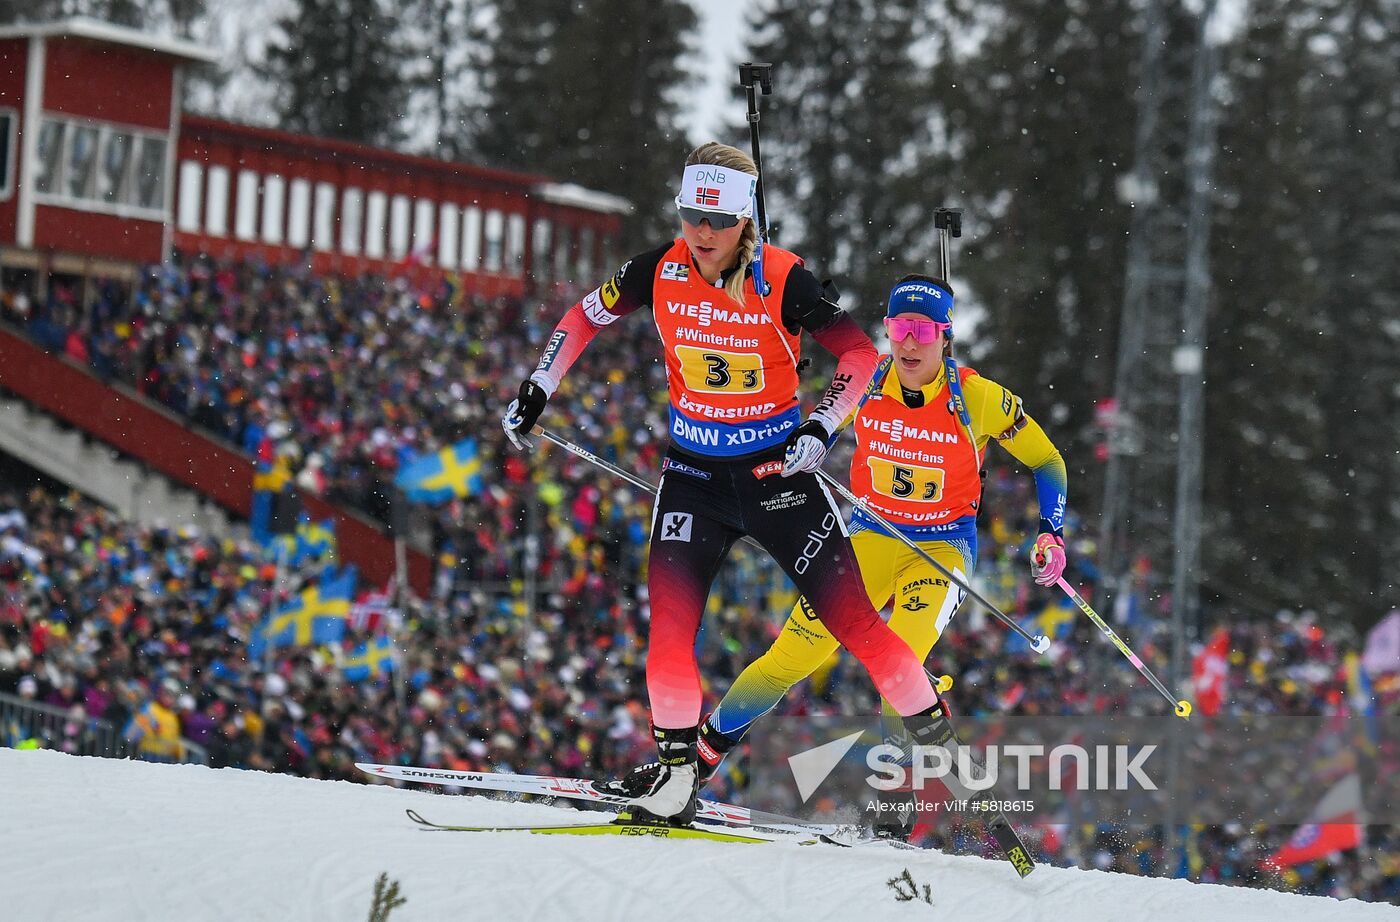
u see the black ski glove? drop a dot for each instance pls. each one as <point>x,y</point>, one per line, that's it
<point>522,414</point>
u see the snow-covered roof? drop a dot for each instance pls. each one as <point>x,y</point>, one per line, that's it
<point>96,30</point>
<point>567,193</point>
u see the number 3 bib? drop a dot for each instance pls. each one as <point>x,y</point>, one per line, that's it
<point>731,368</point>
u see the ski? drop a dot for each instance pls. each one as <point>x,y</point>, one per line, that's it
<point>1007,839</point>
<point>576,789</point>
<point>1011,845</point>
<point>579,789</point>
<point>615,828</point>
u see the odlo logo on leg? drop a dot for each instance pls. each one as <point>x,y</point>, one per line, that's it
<point>816,540</point>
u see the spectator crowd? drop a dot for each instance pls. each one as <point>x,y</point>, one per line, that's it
<point>145,629</point>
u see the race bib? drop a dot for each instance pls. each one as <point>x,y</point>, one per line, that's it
<point>905,481</point>
<point>720,372</point>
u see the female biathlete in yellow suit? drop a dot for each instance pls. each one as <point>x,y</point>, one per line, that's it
<point>920,445</point>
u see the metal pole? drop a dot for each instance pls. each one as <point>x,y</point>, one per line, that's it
<point>1140,191</point>
<point>1189,364</point>
<point>401,602</point>
<point>1190,357</point>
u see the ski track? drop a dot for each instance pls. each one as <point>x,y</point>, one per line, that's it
<point>92,839</point>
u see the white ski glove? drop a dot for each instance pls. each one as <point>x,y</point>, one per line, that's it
<point>805,449</point>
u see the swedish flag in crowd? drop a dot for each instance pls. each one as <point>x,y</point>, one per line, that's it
<point>1362,695</point>
<point>275,504</point>
<point>314,540</point>
<point>1055,621</point>
<point>369,660</point>
<point>437,478</point>
<point>317,615</point>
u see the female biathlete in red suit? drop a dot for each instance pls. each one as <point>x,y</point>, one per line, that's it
<point>741,460</point>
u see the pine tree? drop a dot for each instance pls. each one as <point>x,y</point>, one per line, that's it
<point>846,136</point>
<point>1302,413</point>
<point>136,14</point>
<point>586,96</point>
<point>1357,177</point>
<point>1268,486</point>
<point>1041,115</point>
<point>341,66</point>
<point>444,84</point>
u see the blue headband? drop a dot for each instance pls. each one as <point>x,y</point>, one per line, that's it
<point>917,296</point>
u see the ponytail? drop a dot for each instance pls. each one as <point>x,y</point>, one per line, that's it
<point>748,245</point>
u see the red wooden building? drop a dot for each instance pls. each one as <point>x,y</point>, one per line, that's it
<point>99,166</point>
<point>101,171</point>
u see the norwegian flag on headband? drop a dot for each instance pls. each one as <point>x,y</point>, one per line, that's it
<point>717,188</point>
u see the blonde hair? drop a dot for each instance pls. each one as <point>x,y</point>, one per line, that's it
<point>714,153</point>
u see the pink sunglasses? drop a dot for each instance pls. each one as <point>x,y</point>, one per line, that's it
<point>923,331</point>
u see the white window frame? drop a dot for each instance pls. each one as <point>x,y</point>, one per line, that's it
<point>323,217</point>
<point>352,213</point>
<point>216,188</point>
<point>583,269</point>
<point>90,200</point>
<point>191,196</point>
<point>493,237</point>
<point>376,223</point>
<point>299,213</point>
<point>245,206</point>
<point>11,141</point>
<point>448,226</point>
<point>400,215</point>
<point>515,245</point>
<point>541,236</point>
<point>424,211</point>
<point>274,212</point>
<point>471,238</point>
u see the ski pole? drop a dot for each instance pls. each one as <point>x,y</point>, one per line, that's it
<point>948,221</point>
<point>1039,643</point>
<point>611,468</point>
<point>591,458</point>
<point>1183,707</point>
<point>755,78</point>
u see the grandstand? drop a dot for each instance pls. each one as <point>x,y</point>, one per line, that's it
<point>189,306</point>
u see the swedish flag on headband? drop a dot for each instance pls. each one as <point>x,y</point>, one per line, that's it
<point>438,477</point>
<point>369,660</point>
<point>317,615</point>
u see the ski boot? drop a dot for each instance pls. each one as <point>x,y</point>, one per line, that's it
<point>711,749</point>
<point>664,792</point>
<point>934,728</point>
<point>893,817</point>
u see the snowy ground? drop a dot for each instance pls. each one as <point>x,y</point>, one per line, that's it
<point>88,839</point>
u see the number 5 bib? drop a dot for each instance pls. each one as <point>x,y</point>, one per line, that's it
<point>915,466</point>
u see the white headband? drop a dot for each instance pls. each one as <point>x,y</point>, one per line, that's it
<point>717,188</point>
